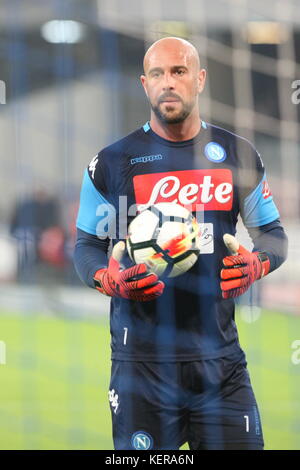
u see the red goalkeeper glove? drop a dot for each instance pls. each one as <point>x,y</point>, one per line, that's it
<point>135,283</point>
<point>241,269</point>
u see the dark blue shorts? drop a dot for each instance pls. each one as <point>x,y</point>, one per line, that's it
<point>209,403</point>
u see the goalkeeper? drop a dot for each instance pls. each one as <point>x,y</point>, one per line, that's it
<point>178,372</point>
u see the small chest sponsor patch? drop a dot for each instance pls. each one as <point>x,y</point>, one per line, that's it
<point>207,238</point>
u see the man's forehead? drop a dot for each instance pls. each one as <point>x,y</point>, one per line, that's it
<point>170,54</point>
<point>168,58</point>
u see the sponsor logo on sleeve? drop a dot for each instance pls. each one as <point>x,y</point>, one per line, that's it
<point>266,191</point>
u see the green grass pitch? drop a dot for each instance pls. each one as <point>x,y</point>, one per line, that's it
<point>53,392</point>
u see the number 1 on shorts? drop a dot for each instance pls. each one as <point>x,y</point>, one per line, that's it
<point>247,422</point>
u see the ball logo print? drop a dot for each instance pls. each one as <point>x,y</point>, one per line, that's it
<point>215,152</point>
<point>141,441</point>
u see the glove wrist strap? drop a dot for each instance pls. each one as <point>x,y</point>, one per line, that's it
<point>98,281</point>
<point>265,263</point>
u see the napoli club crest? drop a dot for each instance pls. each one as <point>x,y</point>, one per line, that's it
<point>215,152</point>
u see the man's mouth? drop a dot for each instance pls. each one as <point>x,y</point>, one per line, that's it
<point>170,100</point>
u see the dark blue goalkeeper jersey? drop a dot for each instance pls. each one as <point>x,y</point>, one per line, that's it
<point>217,175</point>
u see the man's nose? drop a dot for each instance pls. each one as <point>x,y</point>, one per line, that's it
<point>169,82</point>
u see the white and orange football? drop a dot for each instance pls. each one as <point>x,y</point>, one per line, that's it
<point>166,237</point>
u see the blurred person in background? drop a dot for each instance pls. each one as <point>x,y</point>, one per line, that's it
<point>36,226</point>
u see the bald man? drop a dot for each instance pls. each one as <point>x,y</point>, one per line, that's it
<point>172,81</point>
<point>178,372</point>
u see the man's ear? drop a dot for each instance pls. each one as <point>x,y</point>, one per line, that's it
<point>143,82</point>
<point>201,80</point>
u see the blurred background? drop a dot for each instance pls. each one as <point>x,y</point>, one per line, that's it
<point>69,85</point>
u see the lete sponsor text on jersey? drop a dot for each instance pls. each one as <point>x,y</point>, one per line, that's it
<point>211,188</point>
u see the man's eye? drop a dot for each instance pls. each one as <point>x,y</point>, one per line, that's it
<point>180,72</point>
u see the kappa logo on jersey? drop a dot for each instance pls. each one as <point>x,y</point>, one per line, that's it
<point>141,440</point>
<point>212,189</point>
<point>92,165</point>
<point>145,159</point>
<point>266,191</point>
<point>114,400</point>
<point>215,152</point>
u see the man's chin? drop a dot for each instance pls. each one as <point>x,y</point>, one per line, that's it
<point>172,118</point>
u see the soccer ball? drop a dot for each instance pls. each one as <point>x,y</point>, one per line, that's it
<point>166,237</point>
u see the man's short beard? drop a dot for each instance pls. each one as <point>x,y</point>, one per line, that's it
<point>177,119</point>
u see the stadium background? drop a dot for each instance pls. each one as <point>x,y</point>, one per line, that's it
<point>68,88</point>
